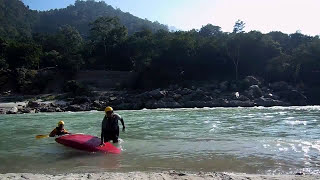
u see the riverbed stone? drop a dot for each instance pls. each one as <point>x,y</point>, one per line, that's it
<point>268,102</point>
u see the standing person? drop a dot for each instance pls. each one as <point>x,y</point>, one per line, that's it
<point>59,130</point>
<point>110,126</point>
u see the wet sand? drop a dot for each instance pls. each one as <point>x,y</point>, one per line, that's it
<point>157,176</point>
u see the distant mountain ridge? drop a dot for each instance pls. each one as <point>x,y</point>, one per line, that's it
<point>17,19</point>
<point>82,13</point>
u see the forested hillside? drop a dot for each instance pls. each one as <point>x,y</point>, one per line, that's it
<point>89,37</point>
<point>18,20</point>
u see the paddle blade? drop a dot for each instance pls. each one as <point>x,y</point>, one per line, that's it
<point>41,136</point>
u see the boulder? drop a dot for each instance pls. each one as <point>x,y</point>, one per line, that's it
<point>124,106</point>
<point>294,97</point>
<point>267,102</point>
<point>235,95</point>
<point>255,91</point>
<point>2,111</point>
<point>238,103</point>
<point>33,104</point>
<point>28,110</point>
<point>77,108</point>
<point>243,98</point>
<point>98,104</point>
<point>198,104</point>
<point>58,109</point>
<point>13,110</point>
<point>162,104</point>
<point>176,97</point>
<point>47,109</point>
<point>251,80</point>
<point>271,96</point>
<point>81,100</point>
<point>157,94</point>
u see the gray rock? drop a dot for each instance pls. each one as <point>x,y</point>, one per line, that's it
<point>251,80</point>
<point>125,106</point>
<point>104,98</point>
<point>75,108</point>
<point>81,100</point>
<point>267,102</point>
<point>157,94</point>
<point>113,98</point>
<point>238,103</point>
<point>47,109</point>
<point>13,110</point>
<point>162,104</point>
<point>58,109</point>
<point>198,104</point>
<point>98,104</point>
<point>235,96</point>
<point>2,111</point>
<point>294,97</point>
<point>271,96</point>
<point>28,110</point>
<point>196,96</point>
<point>255,91</point>
<point>177,97</point>
<point>243,98</point>
<point>33,104</point>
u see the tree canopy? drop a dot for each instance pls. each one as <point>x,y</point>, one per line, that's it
<point>93,35</point>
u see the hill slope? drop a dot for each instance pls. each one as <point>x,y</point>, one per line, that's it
<point>18,20</point>
<point>82,13</point>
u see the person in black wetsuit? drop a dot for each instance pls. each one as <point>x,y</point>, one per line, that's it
<point>59,130</point>
<point>110,126</point>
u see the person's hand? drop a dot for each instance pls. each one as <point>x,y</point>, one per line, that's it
<point>123,129</point>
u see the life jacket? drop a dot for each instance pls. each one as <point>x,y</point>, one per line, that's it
<point>60,132</point>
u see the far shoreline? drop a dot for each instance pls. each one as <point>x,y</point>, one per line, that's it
<point>5,107</point>
<point>168,175</point>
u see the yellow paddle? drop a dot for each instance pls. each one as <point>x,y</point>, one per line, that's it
<point>41,136</point>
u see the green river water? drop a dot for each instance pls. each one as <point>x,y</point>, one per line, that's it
<point>278,140</point>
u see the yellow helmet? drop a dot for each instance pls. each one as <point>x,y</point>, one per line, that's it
<point>60,123</point>
<point>108,109</point>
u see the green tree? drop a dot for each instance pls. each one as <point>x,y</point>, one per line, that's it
<point>107,32</point>
<point>68,40</point>
<point>23,55</point>
<point>210,30</point>
<point>51,59</point>
<point>238,26</point>
<point>142,49</point>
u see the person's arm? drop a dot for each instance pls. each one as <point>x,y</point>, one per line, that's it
<point>53,133</point>
<point>65,131</point>
<point>123,126</point>
<point>102,134</point>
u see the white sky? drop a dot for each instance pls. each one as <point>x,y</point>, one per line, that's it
<point>287,16</point>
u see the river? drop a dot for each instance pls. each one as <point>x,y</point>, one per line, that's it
<point>277,140</point>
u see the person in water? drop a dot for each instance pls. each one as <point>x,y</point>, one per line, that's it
<point>110,126</point>
<point>59,130</point>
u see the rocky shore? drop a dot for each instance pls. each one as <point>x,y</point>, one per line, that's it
<point>249,93</point>
<point>159,175</point>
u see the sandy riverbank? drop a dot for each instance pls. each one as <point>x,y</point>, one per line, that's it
<point>158,175</point>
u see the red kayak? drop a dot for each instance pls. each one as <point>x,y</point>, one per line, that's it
<point>87,143</point>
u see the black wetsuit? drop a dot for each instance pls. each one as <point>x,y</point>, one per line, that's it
<point>110,128</point>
